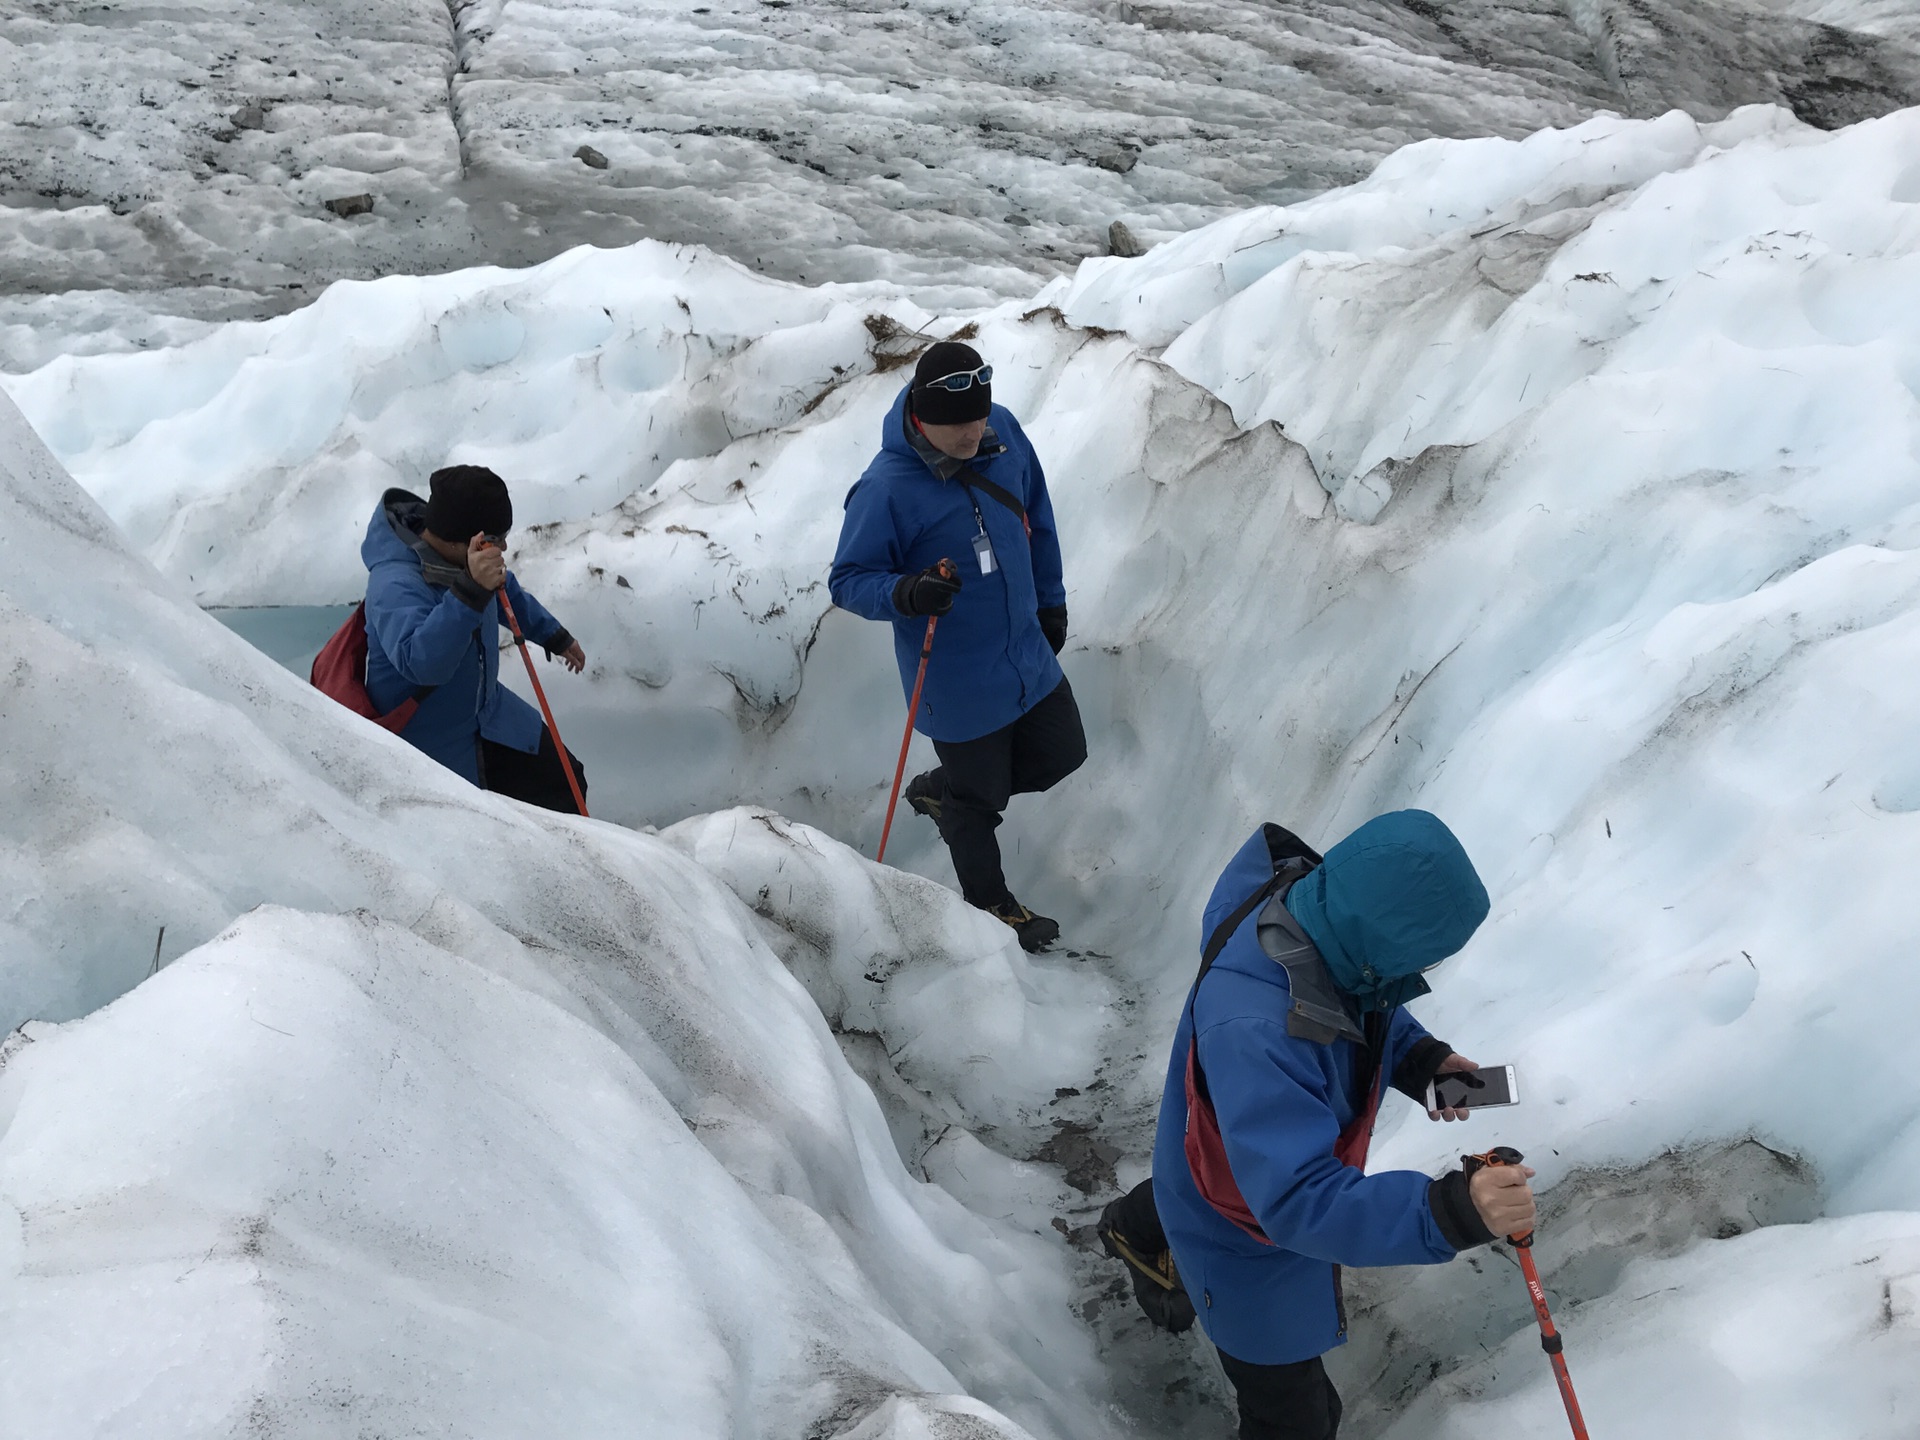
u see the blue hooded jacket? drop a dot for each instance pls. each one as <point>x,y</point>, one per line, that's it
<point>423,634</point>
<point>991,663</point>
<point>1396,896</point>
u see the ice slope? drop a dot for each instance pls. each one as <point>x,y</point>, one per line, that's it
<point>441,1115</point>
<point>877,968</point>
<point>1894,18</point>
<point>1725,1344</point>
<point>1564,486</point>
<point>160,168</point>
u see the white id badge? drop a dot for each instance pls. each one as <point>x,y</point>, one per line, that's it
<point>983,552</point>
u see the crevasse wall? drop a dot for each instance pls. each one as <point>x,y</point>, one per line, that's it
<point>1565,487</point>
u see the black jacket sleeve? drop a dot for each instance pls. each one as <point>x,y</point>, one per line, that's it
<point>1053,625</point>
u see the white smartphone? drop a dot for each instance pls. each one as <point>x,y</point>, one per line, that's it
<point>1474,1089</point>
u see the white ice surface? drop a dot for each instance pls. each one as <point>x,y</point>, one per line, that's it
<point>160,166</point>
<point>908,974</point>
<point>1567,487</point>
<point>452,1117</point>
<point>1898,19</point>
<point>1723,1336</point>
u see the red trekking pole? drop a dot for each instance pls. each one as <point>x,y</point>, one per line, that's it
<point>566,762</point>
<point>913,709</point>
<point>1523,1248</point>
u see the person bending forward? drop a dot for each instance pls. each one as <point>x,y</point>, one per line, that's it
<point>957,480</point>
<point>1289,1036</point>
<point>435,568</point>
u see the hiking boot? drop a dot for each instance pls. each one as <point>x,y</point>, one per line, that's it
<point>923,795</point>
<point>1036,932</point>
<point>1156,1280</point>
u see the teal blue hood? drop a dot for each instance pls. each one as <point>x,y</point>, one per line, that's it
<point>1396,897</point>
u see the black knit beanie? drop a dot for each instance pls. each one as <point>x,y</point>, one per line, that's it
<point>949,407</point>
<point>466,500</point>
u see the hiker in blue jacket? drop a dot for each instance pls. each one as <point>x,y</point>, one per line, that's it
<point>434,570</point>
<point>957,480</point>
<point>1259,1163</point>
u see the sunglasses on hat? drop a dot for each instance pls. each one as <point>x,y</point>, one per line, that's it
<point>962,380</point>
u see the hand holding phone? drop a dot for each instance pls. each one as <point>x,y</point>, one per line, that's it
<point>1452,1093</point>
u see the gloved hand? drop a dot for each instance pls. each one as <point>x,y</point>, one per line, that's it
<point>930,592</point>
<point>564,648</point>
<point>1501,1195</point>
<point>1053,625</point>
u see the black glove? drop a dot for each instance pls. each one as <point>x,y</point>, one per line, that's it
<point>1053,625</point>
<point>927,593</point>
<point>1419,1067</point>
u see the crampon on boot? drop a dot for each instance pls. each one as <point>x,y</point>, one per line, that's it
<point>1036,932</point>
<point>1130,1232</point>
<point>923,796</point>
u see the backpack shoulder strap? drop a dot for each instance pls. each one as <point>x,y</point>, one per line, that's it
<point>1223,932</point>
<point>972,478</point>
<point>1283,847</point>
<point>1291,858</point>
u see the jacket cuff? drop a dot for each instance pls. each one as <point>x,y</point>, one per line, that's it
<point>458,579</point>
<point>902,591</point>
<point>1452,1205</point>
<point>475,596</point>
<point>1418,1067</point>
<point>472,593</point>
<point>557,643</point>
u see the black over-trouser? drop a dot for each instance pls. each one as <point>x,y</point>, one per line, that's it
<point>976,778</point>
<point>1284,1402</point>
<point>536,779</point>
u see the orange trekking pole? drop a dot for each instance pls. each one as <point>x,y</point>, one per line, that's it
<point>1523,1248</point>
<point>913,709</point>
<point>566,762</point>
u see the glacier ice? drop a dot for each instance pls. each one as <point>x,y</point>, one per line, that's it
<point>1565,486</point>
<point>437,1110</point>
<point>170,169</point>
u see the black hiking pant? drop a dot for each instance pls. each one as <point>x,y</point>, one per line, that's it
<point>536,779</point>
<point>1284,1402</point>
<point>976,779</point>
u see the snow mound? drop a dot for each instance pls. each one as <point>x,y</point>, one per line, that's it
<point>1565,487</point>
<point>362,389</point>
<point>451,1113</point>
<point>967,1020</point>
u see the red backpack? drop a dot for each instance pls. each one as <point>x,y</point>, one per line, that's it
<point>340,670</point>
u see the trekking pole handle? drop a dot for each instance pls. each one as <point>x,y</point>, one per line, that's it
<point>1550,1340</point>
<point>493,542</point>
<point>947,572</point>
<point>1487,1159</point>
<point>539,691</point>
